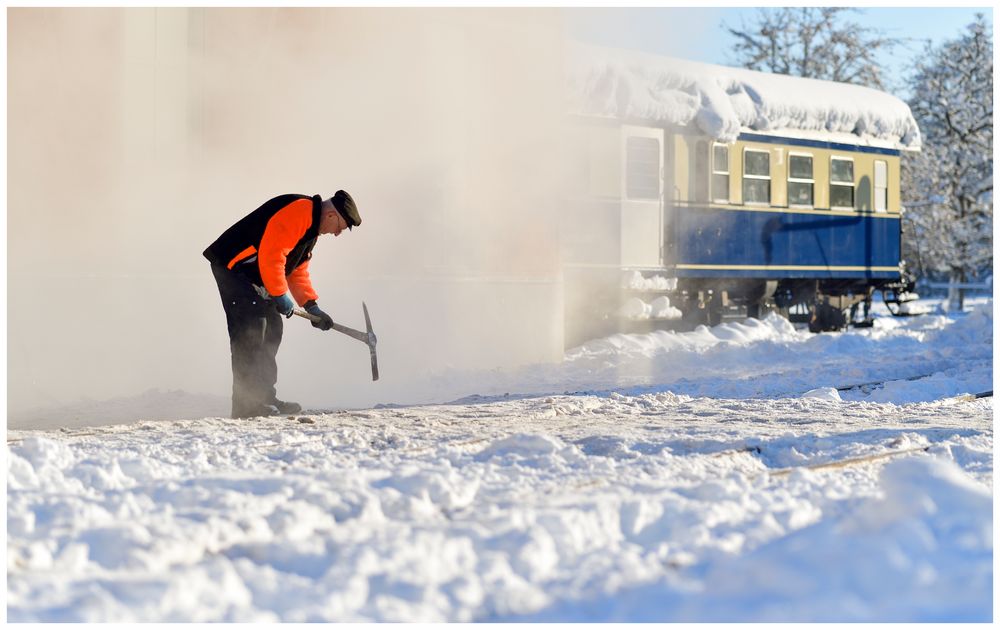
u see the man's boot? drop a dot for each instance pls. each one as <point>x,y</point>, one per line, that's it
<point>286,407</point>
<point>253,410</point>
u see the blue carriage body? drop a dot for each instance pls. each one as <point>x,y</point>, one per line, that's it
<point>721,242</point>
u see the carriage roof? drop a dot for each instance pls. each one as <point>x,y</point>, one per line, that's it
<point>724,102</point>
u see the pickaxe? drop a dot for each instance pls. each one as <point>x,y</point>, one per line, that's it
<point>367,338</point>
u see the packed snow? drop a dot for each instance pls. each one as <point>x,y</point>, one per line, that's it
<point>746,472</point>
<point>635,280</point>
<point>723,102</point>
<point>659,308</point>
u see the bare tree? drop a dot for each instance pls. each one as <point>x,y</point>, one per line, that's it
<point>952,102</point>
<point>816,42</point>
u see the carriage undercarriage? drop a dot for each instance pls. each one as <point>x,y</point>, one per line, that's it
<point>826,305</point>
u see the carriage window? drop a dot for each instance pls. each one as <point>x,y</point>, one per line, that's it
<point>881,186</point>
<point>841,183</point>
<point>756,176</point>
<point>642,168</point>
<point>701,172</point>
<point>720,173</point>
<point>800,180</point>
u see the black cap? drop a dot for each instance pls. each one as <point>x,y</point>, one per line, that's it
<point>345,205</point>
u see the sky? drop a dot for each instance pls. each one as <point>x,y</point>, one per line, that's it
<point>698,34</point>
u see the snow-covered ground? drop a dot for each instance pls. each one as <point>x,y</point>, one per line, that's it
<point>716,475</point>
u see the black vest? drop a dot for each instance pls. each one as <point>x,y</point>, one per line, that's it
<point>249,231</point>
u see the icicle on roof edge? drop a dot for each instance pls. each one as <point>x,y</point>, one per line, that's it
<point>724,102</point>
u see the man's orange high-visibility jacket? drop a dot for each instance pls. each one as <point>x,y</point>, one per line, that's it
<point>272,245</point>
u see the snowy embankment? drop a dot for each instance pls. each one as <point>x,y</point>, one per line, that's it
<point>775,498</point>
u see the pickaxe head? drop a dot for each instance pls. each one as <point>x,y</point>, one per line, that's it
<point>372,340</point>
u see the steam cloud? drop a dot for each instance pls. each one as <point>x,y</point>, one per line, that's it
<point>136,136</point>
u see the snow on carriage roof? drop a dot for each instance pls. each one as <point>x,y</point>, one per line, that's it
<point>724,102</point>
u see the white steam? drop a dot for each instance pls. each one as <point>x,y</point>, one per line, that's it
<point>137,135</point>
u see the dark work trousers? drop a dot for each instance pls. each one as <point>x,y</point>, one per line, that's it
<point>254,336</point>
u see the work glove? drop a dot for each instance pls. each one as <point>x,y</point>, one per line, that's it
<point>325,322</point>
<point>283,304</point>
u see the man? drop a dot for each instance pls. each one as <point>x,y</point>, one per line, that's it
<point>257,263</point>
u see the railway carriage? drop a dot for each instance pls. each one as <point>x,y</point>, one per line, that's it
<point>729,192</point>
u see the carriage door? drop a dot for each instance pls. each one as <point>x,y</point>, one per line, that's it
<point>642,197</point>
